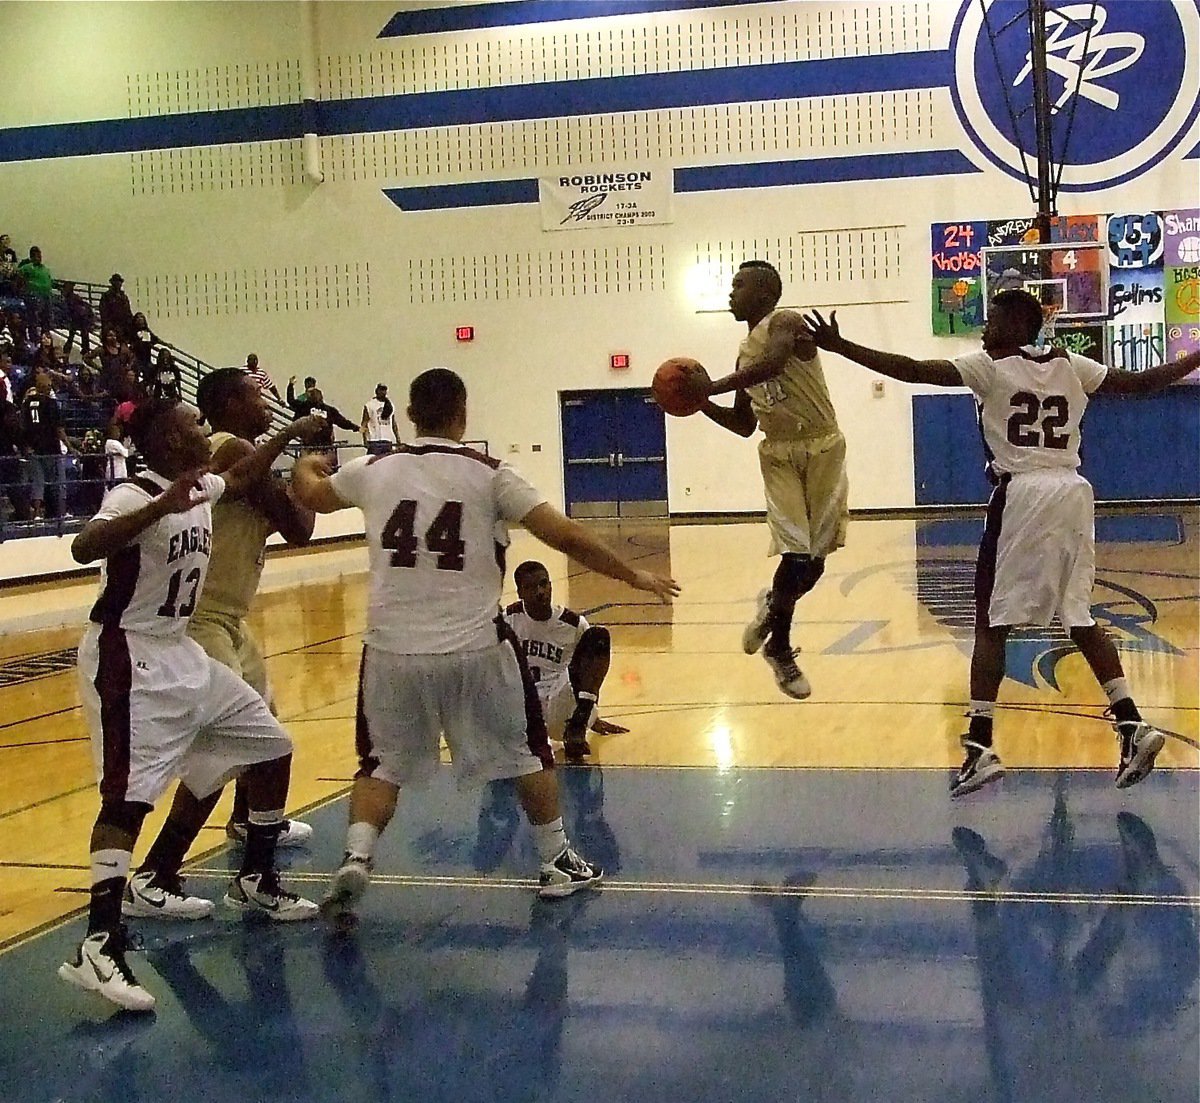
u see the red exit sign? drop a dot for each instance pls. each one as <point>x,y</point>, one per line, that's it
<point>619,361</point>
<point>464,333</point>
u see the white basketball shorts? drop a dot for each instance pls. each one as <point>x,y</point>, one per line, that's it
<point>481,701</point>
<point>1037,560</point>
<point>159,710</point>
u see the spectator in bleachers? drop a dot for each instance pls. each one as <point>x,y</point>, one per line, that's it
<point>12,477</point>
<point>115,312</point>
<point>6,391</point>
<point>8,264</point>
<point>79,318</point>
<point>117,450</point>
<point>165,381</point>
<point>37,288</point>
<point>265,383</point>
<point>45,441</point>
<point>142,343</point>
<point>300,403</point>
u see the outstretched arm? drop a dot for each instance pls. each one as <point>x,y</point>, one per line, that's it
<point>826,335</point>
<point>571,538</point>
<point>1158,378</point>
<point>312,485</point>
<point>270,496</point>
<point>102,536</point>
<point>787,336</point>
<point>241,478</point>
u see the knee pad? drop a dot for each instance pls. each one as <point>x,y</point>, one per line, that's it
<point>595,641</point>
<point>124,815</point>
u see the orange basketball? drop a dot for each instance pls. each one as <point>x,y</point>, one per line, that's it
<point>669,388</point>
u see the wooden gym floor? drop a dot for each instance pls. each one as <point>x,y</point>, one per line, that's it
<point>723,809</point>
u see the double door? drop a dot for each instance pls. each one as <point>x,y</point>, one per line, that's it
<point>614,454</point>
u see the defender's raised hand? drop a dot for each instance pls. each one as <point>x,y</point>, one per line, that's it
<point>825,334</point>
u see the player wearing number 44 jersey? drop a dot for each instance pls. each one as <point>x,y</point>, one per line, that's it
<point>438,659</point>
<point>158,707</point>
<point>1037,557</point>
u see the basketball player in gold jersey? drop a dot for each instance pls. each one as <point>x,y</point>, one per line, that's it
<point>232,404</point>
<point>780,388</point>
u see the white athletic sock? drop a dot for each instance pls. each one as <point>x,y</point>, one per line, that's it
<point>266,819</point>
<point>1116,690</point>
<point>550,838</point>
<point>107,864</point>
<point>361,838</point>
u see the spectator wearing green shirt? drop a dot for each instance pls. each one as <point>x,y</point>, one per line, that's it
<point>36,290</point>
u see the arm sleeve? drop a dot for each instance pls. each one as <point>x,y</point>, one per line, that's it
<point>350,480</point>
<point>1091,373</point>
<point>213,486</point>
<point>515,495</point>
<point>978,370</point>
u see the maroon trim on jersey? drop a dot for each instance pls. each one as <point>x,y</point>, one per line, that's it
<point>535,723</point>
<point>985,564</point>
<point>440,450</point>
<point>368,762</point>
<point>114,682</point>
<point>120,583</point>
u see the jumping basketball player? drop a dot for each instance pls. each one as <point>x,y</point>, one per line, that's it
<point>1037,559</point>
<point>780,388</point>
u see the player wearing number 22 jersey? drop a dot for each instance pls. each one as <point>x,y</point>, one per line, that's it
<point>438,660</point>
<point>1037,559</point>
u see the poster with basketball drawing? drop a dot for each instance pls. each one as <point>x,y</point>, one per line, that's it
<point>1151,295</point>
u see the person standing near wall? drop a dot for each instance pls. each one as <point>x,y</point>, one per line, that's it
<point>261,376</point>
<point>780,388</point>
<point>379,432</point>
<point>1037,559</point>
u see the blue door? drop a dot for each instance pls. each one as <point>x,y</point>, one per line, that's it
<point>614,454</point>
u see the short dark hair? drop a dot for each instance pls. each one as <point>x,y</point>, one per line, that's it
<point>310,380</point>
<point>143,425</point>
<point>435,397</point>
<point>1024,309</point>
<point>526,569</point>
<point>774,283</point>
<point>216,389</point>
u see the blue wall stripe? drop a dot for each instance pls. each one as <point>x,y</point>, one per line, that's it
<point>201,128</point>
<point>555,99</point>
<point>470,17</point>
<point>1195,154</point>
<point>824,170</point>
<point>649,92</point>
<point>486,193</point>
<point>761,174</point>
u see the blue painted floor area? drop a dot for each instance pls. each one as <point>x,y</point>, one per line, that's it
<point>836,936</point>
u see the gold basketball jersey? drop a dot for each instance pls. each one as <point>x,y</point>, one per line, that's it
<point>796,402</point>
<point>238,552</point>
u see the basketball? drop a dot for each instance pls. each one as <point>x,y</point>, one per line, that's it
<point>669,388</point>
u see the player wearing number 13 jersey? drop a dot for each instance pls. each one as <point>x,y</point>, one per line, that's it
<point>1037,557</point>
<point>438,659</point>
<point>158,707</point>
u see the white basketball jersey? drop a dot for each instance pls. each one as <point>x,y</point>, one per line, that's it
<point>378,427</point>
<point>548,644</point>
<point>1030,406</point>
<point>151,585</point>
<point>436,516</point>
